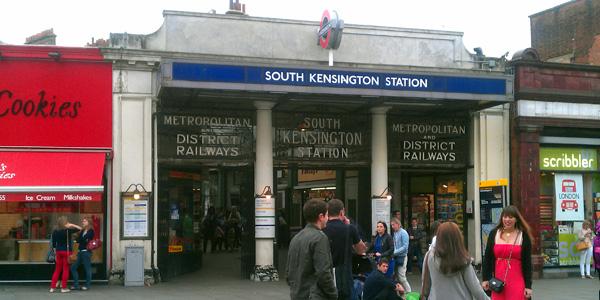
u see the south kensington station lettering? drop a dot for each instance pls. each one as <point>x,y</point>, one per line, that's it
<point>344,79</point>
<point>316,138</point>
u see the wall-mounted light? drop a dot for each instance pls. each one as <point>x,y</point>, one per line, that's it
<point>54,55</point>
<point>385,194</point>
<point>138,189</point>
<point>266,192</point>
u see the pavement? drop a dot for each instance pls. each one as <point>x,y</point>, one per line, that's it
<point>219,279</point>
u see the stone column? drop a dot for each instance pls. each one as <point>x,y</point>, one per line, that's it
<point>263,176</point>
<point>379,158</point>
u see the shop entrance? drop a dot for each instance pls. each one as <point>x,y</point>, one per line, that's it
<point>204,212</point>
<point>429,197</point>
<point>295,186</point>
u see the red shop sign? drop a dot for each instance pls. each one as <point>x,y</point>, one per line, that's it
<point>50,197</point>
<point>61,102</point>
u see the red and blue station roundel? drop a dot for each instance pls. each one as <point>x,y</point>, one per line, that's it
<point>330,30</point>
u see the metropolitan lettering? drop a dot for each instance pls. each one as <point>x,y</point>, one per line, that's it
<point>429,141</point>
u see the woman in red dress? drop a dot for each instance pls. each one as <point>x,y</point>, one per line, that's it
<point>508,256</point>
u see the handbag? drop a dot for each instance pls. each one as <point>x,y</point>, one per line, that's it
<point>496,284</point>
<point>581,245</point>
<point>73,256</point>
<point>51,255</point>
<point>94,244</point>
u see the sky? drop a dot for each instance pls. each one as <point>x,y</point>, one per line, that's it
<point>495,26</point>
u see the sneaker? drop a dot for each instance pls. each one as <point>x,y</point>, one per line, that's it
<point>74,287</point>
<point>52,290</point>
<point>582,277</point>
<point>589,277</point>
<point>65,290</point>
<point>83,288</point>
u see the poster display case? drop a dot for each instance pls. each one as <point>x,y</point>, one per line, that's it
<point>449,204</point>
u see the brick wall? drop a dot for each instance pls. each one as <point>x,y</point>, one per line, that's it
<point>567,29</point>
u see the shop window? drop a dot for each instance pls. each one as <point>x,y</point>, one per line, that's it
<point>26,228</point>
<point>558,238</point>
<point>450,200</point>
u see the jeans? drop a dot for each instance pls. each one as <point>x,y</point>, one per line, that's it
<point>584,261</point>
<point>414,250</point>
<point>400,273</point>
<point>83,257</point>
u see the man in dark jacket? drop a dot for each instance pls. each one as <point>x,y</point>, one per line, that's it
<point>379,287</point>
<point>309,265</point>
<point>416,234</point>
<point>342,237</point>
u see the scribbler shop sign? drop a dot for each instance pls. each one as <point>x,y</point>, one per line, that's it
<point>568,159</point>
<point>222,136</point>
<point>431,142</point>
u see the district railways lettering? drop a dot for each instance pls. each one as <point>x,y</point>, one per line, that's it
<point>209,136</point>
<point>345,79</point>
<point>425,142</point>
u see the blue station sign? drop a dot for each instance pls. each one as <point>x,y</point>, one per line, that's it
<point>260,75</point>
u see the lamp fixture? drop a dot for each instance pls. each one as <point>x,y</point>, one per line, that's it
<point>55,55</point>
<point>136,191</point>
<point>266,192</point>
<point>386,194</point>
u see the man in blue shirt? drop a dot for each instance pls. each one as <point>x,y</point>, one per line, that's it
<point>400,252</point>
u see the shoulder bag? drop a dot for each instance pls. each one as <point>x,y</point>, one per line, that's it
<point>51,255</point>
<point>581,245</point>
<point>73,256</point>
<point>426,280</point>
<point>496,284</point>
<point>94,244</point>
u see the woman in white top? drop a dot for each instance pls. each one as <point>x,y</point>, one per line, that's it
<point>585,235</point>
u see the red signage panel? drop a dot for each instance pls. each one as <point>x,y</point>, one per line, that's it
<point>50,197</point>
<point>51,169</point>
<point>57,101</point>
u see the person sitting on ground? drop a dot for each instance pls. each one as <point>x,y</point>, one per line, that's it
<point>379,287</point>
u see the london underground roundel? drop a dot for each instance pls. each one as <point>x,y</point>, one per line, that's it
<point>330,30</point>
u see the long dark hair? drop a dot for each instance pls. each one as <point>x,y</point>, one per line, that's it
<point>450,248</point>
<point>384,228</point>
<point>521,224</point>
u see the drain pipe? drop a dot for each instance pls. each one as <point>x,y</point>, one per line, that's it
<point>155,273</point>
